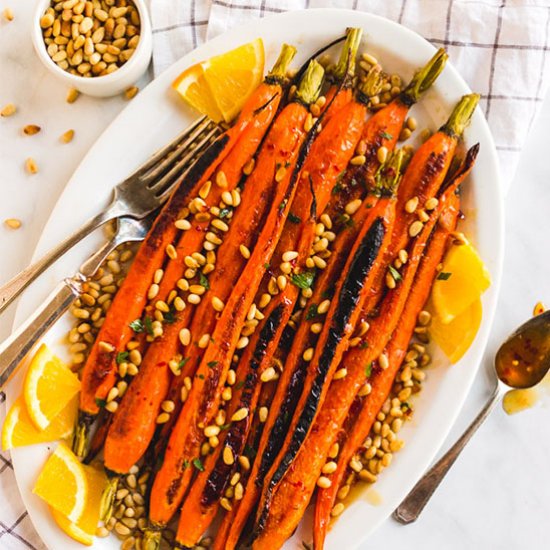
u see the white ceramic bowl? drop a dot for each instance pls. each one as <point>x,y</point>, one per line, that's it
<point>100,86</point>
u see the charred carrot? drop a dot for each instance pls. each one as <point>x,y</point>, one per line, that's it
<point>382,130</point>
<point>292,496</point>
<point>381,380</point>
<point>99,373</point>
<point>342,315</point>
<point>134,420</point>
<point>173,477</point>
<point>291,380</point>
<point>329,155</point>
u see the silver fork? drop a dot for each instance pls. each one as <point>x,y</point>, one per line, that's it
<point>137,196</point>
<point>14,349</point>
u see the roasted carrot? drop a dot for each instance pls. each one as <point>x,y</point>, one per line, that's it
<point>382,130</point>
<point>99,373</point>
<point>342,315</point>
<point>173,477</point>
<point>134,421</point>
<point>291,380</point>
<point>329,155</point>
<point>382,380</point>
<point>293,493</point>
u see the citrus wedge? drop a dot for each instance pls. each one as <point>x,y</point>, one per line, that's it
<point>455,338</point>
<point>62,483</point>
<point>19,430</point>
<point>84,529</point>
<point>194,89</point>
<point>220,86</point>
<point>49,386</point>
<point>461,282</point>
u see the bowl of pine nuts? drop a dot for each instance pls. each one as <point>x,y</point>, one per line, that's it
<point>99,47</point>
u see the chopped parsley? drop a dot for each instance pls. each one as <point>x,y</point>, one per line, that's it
<point>385,135</point>
<point>100,402</point>
<point>148,323</point>
<point>203,281</point>
<point>198,464</point>
<point>282,206</point>
<point>444,275</point>
<point>121,356</point>
<point>186,464</point>
<point>312,312</point>
<point>292,218</point>
<point>183,362</point>
<point>212,364</point>
<point>201,376</point>
<point>136,326</point>
<point>239,384</point>
<point>303,280</point>
<point>394,273</point>
<point>224,212</point>
<point>364,344</point>
<point>337,188</point>
<point>368,369</point>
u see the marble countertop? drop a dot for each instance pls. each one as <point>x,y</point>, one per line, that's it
<point>497,495</point>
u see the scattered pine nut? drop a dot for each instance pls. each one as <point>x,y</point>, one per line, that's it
<point>8,14</point>
<point>8,110</point>
<point>72,95</point>
<point>131,92</point>
<point>31,166</point>
<point>31,129</point>
<point>12,223</point>
<point>67,137</point>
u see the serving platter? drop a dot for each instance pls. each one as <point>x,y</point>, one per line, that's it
<point>156,115</point>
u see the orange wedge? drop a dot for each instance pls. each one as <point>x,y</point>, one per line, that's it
<point>19,430</point>
<point>461,282</point>
<point>49,386</point>
<point>62,483</point>
<point>220,86</point>
<point>192,86</point>
<point>85,528</point>
<point>455,338</point>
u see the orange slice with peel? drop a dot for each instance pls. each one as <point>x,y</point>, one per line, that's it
<point>19,430</point>
<point>49,386</point>
<point>220,86</point>
<point>85,528</point>
<point>62,483</point>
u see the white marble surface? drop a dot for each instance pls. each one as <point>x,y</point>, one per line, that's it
<point>497,495</point>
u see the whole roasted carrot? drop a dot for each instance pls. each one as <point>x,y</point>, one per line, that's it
<point>345,308</point>
<point>173,477</point>
<point>135,419</point>
<point>294,491</point>
<point>329,155</point>
<point>99,373</point>
<point>381,380</point>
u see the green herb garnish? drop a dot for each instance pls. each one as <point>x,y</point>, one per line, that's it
<point>443,276</point>
<point>198,464</point>
<point>394,273</point>
<point>303,280</point>
<point>121,356</point>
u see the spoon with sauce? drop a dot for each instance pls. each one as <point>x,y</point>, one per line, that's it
<point>521,362</point>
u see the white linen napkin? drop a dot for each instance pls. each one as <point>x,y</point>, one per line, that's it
<point>500,47</point>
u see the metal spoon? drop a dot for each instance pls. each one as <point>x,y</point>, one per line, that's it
<point>521,362</point>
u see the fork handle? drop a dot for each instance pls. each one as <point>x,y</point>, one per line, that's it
<point>17,284</point>
<point>15,348</point>
<point>411,507</point>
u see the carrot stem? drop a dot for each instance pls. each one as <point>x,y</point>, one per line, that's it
<point>461,115</point>
<point>424,77</point>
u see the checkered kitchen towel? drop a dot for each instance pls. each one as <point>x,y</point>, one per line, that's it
<point>499,46</point>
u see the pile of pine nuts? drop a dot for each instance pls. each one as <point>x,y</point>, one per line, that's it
<point>91,37</point>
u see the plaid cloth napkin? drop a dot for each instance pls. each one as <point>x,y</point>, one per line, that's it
<point>499,46</point>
